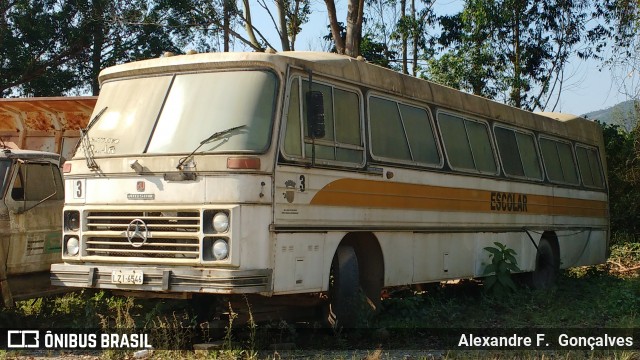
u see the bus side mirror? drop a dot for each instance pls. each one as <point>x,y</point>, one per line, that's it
<point>315,115</point>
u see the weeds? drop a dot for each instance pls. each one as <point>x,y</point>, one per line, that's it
<point>593,297</point>
<point>503,263</point>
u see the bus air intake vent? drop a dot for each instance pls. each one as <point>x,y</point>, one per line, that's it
<point>170,234</point>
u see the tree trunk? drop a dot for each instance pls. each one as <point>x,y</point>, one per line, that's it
<point>355,12</point>
<point>516,89</point>
<point>295,24</point>
<point>335,28</point>
<point>98,43</point>
<point>403,29</point>
<point>282,19</point>
<point>226,24</point>
<point>415,39</point>
<point>249,24</point>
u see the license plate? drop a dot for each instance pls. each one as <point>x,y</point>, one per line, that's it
<point>133,277</point>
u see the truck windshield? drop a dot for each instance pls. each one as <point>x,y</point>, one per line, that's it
<point>174,113</point>
<point>5,165</point>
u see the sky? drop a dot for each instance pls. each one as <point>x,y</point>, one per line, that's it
<point>587,87</point>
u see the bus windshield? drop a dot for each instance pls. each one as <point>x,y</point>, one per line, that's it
<point>175,113</point>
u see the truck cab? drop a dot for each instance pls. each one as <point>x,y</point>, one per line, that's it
<point>36,133</point>
<point>32,200</point>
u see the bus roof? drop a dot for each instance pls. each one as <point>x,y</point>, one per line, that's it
<point>358,71</point>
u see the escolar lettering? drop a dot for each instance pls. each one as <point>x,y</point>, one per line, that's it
<point>508,202</point>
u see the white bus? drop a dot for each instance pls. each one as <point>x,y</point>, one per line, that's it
<point>315,173</point>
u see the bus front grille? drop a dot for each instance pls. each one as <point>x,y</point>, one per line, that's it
<point>147,234</point>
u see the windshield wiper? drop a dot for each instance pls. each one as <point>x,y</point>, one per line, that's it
<point>214,136</point>
<point>86,142</point>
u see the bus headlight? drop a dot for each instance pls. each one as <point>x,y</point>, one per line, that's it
<point>220,222</point>
<point>220,249</point>
<point>72,220</point>
<point>73,246</point>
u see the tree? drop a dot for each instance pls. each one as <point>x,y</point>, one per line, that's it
<point>518,49</point>
<point>623,172</point>
<point>350,44</point>
<point>54,47</point>
<point>472,64</point>
<point>291,15</point>
<point>39,39</point>
<point>625,59</point>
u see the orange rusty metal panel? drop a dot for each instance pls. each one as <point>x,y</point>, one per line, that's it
<point>7,122</point>
<point>46,124</point>
<point>47,114</point>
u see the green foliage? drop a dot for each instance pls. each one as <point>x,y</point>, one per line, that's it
<point>623,172</point>
<point>297,14</point>
<point>52,47</point>
<point>595,297</point>
<point>503,263</point>
<point>512,50</point>
<point>376,52</point>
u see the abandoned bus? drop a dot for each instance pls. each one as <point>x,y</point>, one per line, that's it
<point>272,173</point>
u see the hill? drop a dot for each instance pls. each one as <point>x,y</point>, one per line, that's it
<point>623,114</point>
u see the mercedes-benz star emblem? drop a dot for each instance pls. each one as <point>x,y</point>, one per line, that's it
<point>137,229</point>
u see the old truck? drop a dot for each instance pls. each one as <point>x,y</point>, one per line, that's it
<point>36,135</point>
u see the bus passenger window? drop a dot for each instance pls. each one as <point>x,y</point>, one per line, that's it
<point>348,127</point>
<point>388,138</point>
<point>292,139</point>
<point>455,141</point>
<point>343,130</point>
<point>558,161</point>
<point>467,144</point>
<point>529,155</point>
<point>402,132</point>
<point>518,153</point>
<point>478,134</point>
<point>590,169</point>
<point>420,135</point>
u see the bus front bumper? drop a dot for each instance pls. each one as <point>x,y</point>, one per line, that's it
<point>159,279</point>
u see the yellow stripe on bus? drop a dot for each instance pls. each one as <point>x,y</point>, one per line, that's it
<point>378,194</point>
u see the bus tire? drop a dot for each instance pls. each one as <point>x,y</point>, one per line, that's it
<point>344,288</point>
<point>547,265</point>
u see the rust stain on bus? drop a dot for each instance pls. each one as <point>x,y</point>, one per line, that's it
<point>378,194</point>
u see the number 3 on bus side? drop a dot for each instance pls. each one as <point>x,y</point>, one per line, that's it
<point>303,183</point>
<point>78,189</point>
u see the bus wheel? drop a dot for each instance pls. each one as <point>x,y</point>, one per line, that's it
<point>344,288</point>
<point>547,265</point>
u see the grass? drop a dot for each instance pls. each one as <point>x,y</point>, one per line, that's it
<point>598,297</point>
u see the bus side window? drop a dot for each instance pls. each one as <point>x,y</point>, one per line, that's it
<point>559,161</point>
<point>518,153</point>
<point>467,144</point>
<point>401,132</point>
<point>589,165</point>
<point>323,150</point>
<point>342,141</point>
<point>293,133</point>
<point>388,137</point>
